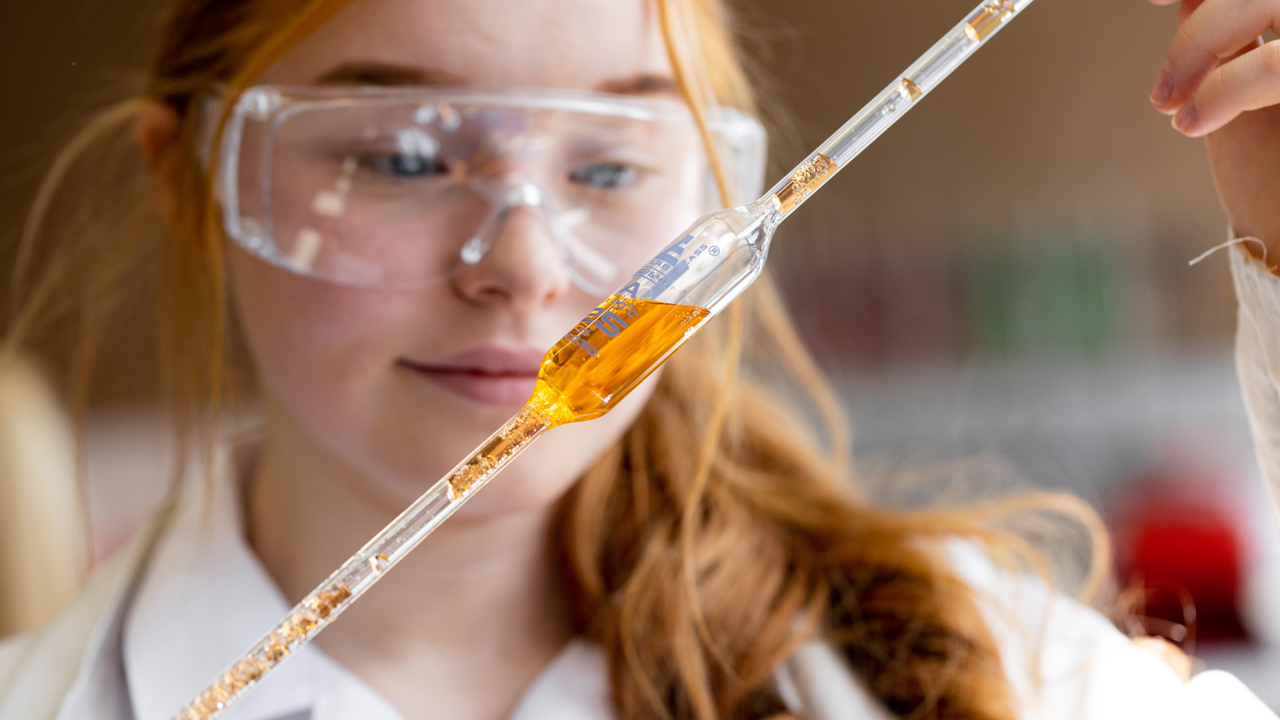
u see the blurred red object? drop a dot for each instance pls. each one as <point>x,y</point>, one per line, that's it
<point>1184,549</point>
<point>1183,541</point>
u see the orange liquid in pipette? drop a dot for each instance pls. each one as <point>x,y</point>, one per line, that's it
<point>584,375</point>
<point>608,354</point>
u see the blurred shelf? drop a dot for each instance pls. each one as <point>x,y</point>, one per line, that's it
<point>1077,425</point>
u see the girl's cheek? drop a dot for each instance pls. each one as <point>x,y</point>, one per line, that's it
<point>314,344</point>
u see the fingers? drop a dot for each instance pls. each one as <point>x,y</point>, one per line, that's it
<point>1248,82</point>
<point>1215,30</point>
<point>1188,7</point>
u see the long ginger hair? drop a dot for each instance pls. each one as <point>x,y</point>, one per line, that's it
<point>719,534</point>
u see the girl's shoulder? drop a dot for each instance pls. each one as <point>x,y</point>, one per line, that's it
<point>44,671</point>
<point>1066,660</point>
<point>12,650</point>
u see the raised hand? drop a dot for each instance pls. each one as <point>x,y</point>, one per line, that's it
<point>1222,81</point>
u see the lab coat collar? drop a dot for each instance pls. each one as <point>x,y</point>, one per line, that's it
<point>100,691</point>
<point>48,684</point>
<point>205,599</point>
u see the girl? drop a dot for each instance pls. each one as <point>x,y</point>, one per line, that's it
<point>377,216</point>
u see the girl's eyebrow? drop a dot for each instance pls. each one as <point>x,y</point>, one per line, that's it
<point>642,84</point>
<point>367,72</point>
<point>386,74</point>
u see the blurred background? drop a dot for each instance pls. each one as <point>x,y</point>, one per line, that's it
<point>1002,280</point>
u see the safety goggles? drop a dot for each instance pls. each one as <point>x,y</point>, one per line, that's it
<point>401,187</point>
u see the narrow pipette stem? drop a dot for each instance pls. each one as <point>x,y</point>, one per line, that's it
<point>367,566</point>
<point>893,102</point>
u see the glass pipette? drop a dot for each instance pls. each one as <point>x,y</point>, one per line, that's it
<point>614,348</point>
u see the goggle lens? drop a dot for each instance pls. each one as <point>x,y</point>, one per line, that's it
<point>398,191</point>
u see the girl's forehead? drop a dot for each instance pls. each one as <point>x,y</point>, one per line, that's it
<point>575,44</point>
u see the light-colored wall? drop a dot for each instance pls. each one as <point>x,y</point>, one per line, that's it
<point>1046,126</point>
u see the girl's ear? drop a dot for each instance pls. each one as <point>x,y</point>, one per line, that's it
<point>156,132</point>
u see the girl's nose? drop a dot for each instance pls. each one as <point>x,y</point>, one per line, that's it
<point>514,259</point>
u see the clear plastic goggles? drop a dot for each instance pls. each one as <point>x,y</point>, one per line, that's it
<point>400,187</point>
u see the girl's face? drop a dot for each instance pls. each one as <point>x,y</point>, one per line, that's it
<point>397,386</point>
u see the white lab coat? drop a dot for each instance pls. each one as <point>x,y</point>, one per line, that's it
<point>152,626</point>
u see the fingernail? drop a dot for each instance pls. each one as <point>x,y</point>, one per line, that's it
<point>1186,117</point>
<point>1163,89</point>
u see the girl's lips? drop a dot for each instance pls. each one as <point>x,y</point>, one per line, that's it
<point>489,375</point>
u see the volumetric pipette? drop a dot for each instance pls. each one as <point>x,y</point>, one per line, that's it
<point>614,349</point>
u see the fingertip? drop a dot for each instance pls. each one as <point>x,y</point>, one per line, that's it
<point>1174,123</point>
<point>1190,122</point>
<point>1185,119</point>
<point>1163,89</point>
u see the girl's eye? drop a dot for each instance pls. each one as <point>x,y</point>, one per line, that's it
<point>408,166</point>
<point>606,176</point>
